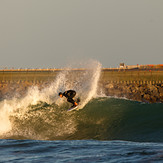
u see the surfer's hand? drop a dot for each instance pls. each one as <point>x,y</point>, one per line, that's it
<point>75,103</point>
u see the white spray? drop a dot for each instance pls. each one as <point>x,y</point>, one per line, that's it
<point>85,86</point>
<point>91,92</point>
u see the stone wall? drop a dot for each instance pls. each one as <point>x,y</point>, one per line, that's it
<point>146,86</point>
<point>139,91</point>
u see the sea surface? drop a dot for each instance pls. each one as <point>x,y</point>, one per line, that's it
<point>105,130</point>
<point>73,151</point>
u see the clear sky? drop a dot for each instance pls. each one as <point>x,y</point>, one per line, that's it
<point>54,33</point>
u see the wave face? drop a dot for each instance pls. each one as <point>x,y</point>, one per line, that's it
<point>119,119</point>
<point>102,119</point>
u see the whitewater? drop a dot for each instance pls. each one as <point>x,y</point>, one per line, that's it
<point>37,104</point>
<point>37,126</point>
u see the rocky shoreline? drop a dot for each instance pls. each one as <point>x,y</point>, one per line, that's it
<point>150,93</point>
<point>139,92</point>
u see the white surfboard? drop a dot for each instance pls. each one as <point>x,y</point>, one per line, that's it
<point>73,108</point>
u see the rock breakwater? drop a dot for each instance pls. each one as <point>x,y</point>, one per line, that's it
<point>151,93</point>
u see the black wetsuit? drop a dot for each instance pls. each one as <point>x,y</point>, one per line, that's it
<point>69,95</point>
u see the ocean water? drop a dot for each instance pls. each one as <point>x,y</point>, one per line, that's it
<point>84,151</point>
<point>106,130</point>
<point>38,128</point>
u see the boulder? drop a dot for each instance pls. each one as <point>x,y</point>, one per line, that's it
<point>160,90</point>
<point>109,86</point>
<point>147,97</point>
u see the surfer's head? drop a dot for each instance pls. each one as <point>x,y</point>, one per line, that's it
<point>60,94</point>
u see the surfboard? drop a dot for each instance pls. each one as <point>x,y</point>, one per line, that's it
<point>73,108</point>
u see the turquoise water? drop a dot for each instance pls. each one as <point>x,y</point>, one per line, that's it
<point>105,130</point>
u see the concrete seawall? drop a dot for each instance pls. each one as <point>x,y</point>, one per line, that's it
<point>140,85</point>
<point>115,75</point>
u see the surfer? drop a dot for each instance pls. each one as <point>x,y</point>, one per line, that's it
<point>69,95</point>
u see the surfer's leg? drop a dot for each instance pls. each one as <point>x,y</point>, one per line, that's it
<point>72,101</point>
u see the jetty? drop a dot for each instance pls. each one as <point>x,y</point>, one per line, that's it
<point>137,82</point>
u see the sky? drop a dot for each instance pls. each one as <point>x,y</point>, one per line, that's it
<point>54,33</point>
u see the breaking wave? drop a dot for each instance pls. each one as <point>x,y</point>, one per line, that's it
<point>17,119</point>
<point>42,115</point>
<point>102,118</point>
